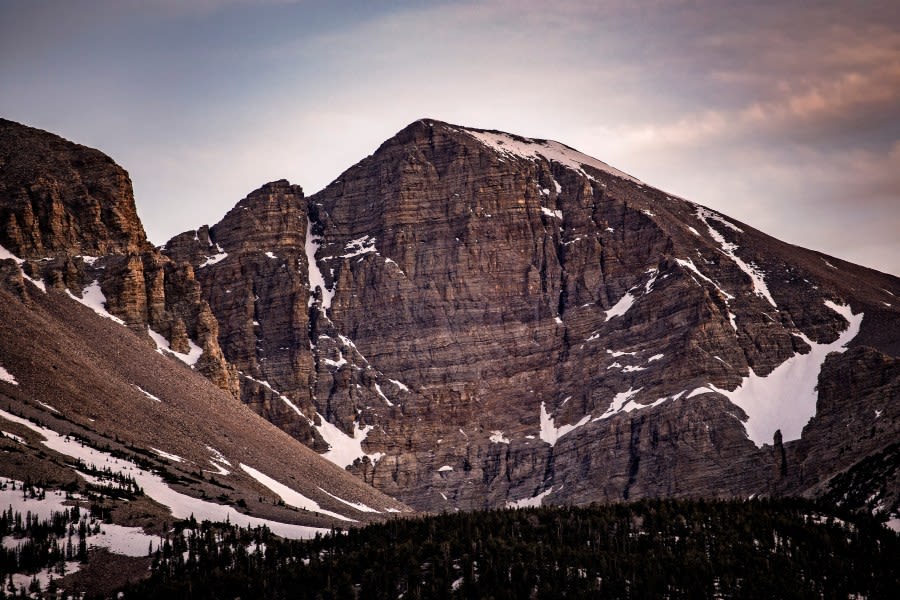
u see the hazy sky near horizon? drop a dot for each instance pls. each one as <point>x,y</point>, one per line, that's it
<point>784,115</point>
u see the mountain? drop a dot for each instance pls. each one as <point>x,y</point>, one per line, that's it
<point>103,406</point>
<point>472,319</point>
<point>507,320</point>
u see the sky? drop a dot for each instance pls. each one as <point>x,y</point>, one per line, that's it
<point>784,115</point>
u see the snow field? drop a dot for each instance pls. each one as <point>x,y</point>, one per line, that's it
<point>128,541</point>
<point>786,398</point>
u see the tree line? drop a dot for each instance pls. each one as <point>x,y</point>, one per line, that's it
<point>785,548</point>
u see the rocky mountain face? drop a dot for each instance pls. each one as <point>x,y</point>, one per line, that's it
<point>470,319</point>
<point>86,375</point>
<point>570,333</point>
<point>70,220</point>
<point>62,197</point>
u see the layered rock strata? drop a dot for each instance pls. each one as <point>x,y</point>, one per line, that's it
<point>471,319</point>
<point>70,223</point>
<point>490,319</point>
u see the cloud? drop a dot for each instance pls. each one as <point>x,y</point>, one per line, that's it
<point>766,110</point>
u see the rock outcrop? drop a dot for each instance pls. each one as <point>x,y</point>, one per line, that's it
<point>60,197</point>
<point>253,276</point>
<point>857,413</point>
<point>70,221</point>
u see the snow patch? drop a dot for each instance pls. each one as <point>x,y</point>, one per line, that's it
<point>689,264</point>
<point>163,347</point>
<point>357,505</point>
<point>15,438</point>
<point>7,376</point>
<point>290,496</point>
<point>129,541</point>
<point>343,450</point>
<point>340,362</point>
<point>92,297</point>
<point>754,272</point>
<point>533,502</point>
<point>399,385</point>
<point>627,301</point>
<point>181,505</point>
<point>219,462</point>
<point>621,307</point>
<point>172,457</point>
<point>445,469</point>
<point>6,254</point>
<point>316,280</point>
<point>146,393</point>
<point>655,357</point>
<point>497,437</point>
<point>43,577</point>
<point>211,260</point>
<point>786,398</point>
<point>893,524</point>
<point>618,402</point>
<point>550,433</point>
<point>618,353</point>
<point>556,214</point>
<point>359,246</point>
<point>281,396</point>
<point>549,150</point>
<point>732,320</point>
<point>383,397</point>
<point>648,287</point>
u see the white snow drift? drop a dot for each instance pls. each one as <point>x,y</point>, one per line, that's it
<point>786,398</point>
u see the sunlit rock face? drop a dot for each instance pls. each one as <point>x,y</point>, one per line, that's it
<point>60,197</point>
<point>69,217</point>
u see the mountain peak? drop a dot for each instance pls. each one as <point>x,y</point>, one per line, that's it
<point>511,145</point>
<point>58,197</point>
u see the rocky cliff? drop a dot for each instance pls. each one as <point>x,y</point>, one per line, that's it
<point>92,391</point>
<point>70,222</point>
<point>470,319</point>
<point>56,196</point>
